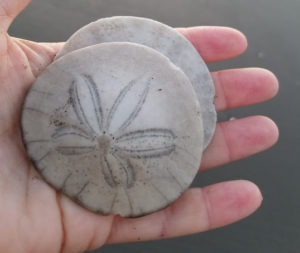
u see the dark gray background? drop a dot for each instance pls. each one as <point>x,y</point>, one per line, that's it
<point>272,28</point>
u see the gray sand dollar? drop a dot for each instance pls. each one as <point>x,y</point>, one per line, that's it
<point>162,38</point>
<point>115,126</point>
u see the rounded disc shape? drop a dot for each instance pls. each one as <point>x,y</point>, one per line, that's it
<point>162,38</point>
<point>115,126</point>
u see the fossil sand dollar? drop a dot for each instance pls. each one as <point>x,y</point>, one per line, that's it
<point>162,38</point>
<point>115,126</point>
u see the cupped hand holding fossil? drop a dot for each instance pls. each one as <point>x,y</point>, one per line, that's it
<point>47,221</point>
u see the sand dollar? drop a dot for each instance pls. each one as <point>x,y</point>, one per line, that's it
<point>116,126</point>
<point>162,38</point>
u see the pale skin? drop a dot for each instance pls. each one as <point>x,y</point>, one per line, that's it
<point>36,218</point>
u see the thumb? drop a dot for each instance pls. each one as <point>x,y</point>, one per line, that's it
<point>9,10</point>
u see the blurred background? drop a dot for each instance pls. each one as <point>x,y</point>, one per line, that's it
<point>272,28</point>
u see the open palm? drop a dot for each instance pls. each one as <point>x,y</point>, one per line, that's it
<point>36,218</point>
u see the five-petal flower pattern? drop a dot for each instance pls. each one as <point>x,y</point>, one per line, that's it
<point>116,146</point>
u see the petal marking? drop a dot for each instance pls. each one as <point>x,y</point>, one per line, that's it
<point>77,98</point>
<point>132,114</point>
<point>71,130</point>
<point>149,143</point>
<point>72,150</point>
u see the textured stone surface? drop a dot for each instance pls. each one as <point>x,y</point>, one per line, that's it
<point>163,39</point>
<point>115,126</point>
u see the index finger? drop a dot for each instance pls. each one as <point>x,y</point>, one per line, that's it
<point>9,9</point>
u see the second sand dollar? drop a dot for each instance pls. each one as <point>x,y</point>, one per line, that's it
<point>165,40</point>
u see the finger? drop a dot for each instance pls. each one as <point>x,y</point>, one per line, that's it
<point>196,211</point>
<point>9,9</point>
<point>240,138</point>
<point>240,87</point>
<point>216,43</point>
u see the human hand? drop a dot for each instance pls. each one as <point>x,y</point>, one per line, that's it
<point>36,218</point>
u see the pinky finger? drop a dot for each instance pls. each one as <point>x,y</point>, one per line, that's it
<point>196,211</point>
